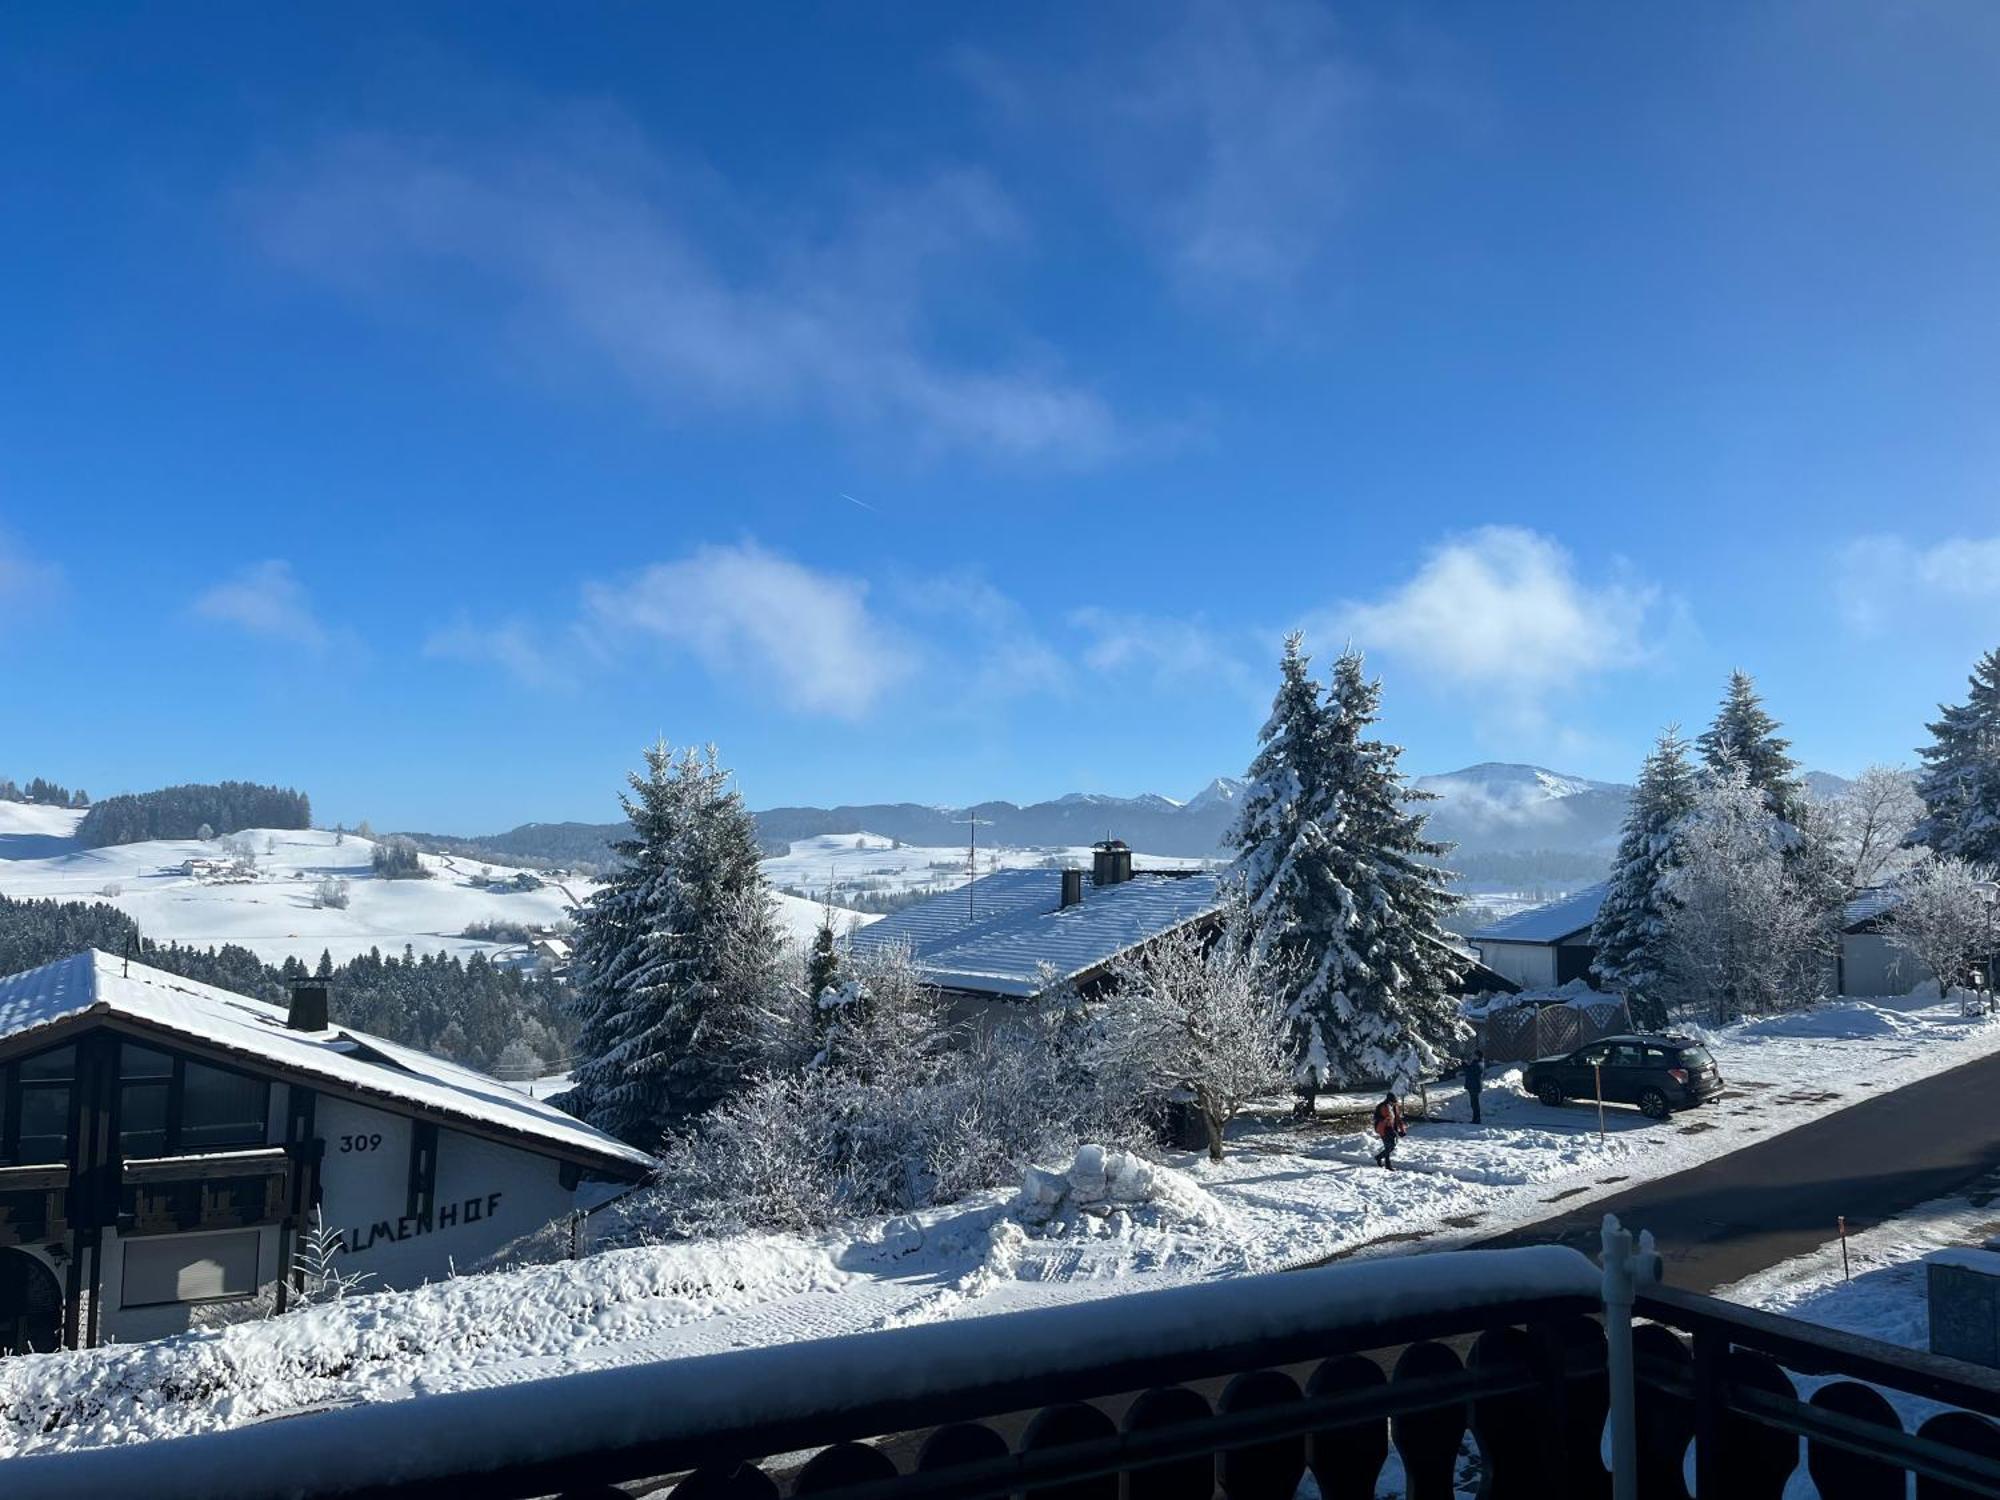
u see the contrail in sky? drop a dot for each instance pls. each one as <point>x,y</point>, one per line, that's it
<point>862,503</point>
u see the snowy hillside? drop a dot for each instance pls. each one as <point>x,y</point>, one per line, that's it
<point>272,910</point>
<point>853,864</point>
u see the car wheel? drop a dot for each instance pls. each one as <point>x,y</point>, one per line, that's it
<point>1550,1093</point>
<point>1654,1105</point>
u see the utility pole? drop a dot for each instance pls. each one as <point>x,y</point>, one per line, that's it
<point>972,824</point>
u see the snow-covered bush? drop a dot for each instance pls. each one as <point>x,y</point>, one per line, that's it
<point>332,893</point>
<point>899,1111</point>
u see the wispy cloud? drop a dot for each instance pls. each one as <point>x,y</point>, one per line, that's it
<point>26,583</point>
<point>515,646</point>
<point>699,299</point>
<point>265,599</point>
<point>1879,578</point>
<point>1502,613</point>
<point>1174,653</point>
<point>805,636</point>
<point>1230,136</point>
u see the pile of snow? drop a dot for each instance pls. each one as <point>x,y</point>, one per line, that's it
<point>1101,1183</point>
<point>1843,1020</point>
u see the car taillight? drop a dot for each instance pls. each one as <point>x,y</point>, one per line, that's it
<point>1679,1075</point>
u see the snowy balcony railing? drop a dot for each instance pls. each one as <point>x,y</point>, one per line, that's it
<point>32,1204</point>
<point>1743,1392</point>
<point>1235,1388</point>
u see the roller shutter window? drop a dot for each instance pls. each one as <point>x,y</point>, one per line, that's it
<point>190,1268</point>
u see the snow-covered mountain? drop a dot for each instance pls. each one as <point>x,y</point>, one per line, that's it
<point>1499,806</point>
<point>1221,792</point>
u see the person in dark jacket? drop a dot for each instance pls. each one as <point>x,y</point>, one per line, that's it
<point>1390,1127</point>
<point>1475,1078</point>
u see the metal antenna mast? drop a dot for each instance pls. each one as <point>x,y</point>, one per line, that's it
<point>973,824</point>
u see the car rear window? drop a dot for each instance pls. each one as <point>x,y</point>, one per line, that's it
<point>1696,1057</point>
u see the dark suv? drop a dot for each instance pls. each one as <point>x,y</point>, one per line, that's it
<point>1660,1074</point>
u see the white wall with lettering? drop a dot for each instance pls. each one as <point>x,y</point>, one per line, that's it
<point>487,1195</point>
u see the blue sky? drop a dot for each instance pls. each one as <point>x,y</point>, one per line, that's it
<point>429,405</point>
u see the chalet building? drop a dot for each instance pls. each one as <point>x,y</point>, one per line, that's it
<point>1544,946</point>
<point>164,1144</point>
<point>1004,935</point>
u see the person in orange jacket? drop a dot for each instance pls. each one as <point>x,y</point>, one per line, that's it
<point>1390,1126</point>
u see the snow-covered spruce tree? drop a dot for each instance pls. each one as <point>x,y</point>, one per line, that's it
<point>1944,918</point>
<point>1341,889</point>
<point>822,958</point>
<point>1960,779</point>
<point>679,993</point>
<point>1200,1020</point>
<point>1630,933</point>
<point>1744,735</point>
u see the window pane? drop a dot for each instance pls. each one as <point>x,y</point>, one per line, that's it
<point>58,1064</point>
<point>221,1109</point>
<point>44,1123</point>
<point>142,1119</point>
<point>143,1062</point>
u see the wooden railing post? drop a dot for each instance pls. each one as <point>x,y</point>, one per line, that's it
<point>1711,1349</point>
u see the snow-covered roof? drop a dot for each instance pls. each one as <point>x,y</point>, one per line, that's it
<point>995,940</point>
<point>1547,924</point>
<point>1868,905</point>
<point>353,1062</point>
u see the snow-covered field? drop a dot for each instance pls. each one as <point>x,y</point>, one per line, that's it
<point>854,863</point>
<point>273,914</point>
<point>1286,1195</point>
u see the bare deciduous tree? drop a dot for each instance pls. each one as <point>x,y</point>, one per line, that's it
<point>1198,1020</point>
<point>1944,918</point>
<point>1872,817</point>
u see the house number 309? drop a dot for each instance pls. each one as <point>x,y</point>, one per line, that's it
<point>361,1143</point>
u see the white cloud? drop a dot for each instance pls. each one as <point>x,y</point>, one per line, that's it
<point>265,599</point>
<point>1880,578</point>
<point>700,300</point>
<point>1502,610</point>
<point>740,611</point>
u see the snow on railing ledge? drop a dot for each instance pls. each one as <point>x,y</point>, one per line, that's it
<point>547,1420</point>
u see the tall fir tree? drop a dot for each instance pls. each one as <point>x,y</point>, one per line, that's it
<point>1744,734</point>
<point>677,956</point>
<point>1342,889</point>
<point>1960,779</point>
<point>1630,933</point>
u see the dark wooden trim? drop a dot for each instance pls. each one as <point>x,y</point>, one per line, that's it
<point>422,1195</point>
<point>157,1035</point>
<point>259,1161</point>
<point>41,1175</point>
<point>1812,1350</point>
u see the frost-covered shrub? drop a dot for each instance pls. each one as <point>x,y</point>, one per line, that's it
<point>899,1111</point>
<point>332,892</point>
